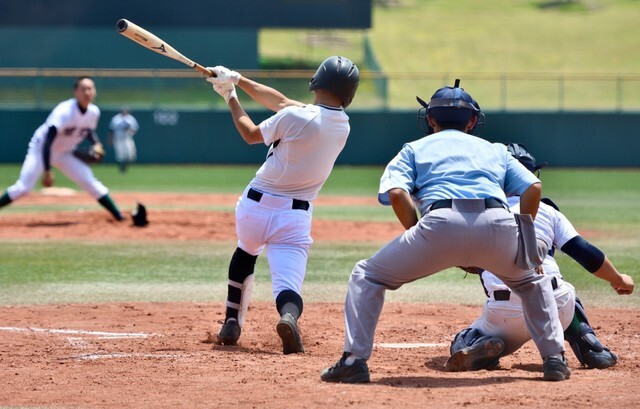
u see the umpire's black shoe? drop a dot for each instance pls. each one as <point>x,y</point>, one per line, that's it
<point>288,331</point>
<point>556,369</point>
<point>358,372</point>
<point>482,355</point>
<point>229,333</point>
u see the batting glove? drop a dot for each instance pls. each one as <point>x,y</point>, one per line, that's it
<point>226,90</point>
<point>223,74</point>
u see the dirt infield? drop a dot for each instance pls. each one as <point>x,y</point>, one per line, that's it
<point>158,355</point>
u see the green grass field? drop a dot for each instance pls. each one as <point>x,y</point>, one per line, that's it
<point>601,203</point>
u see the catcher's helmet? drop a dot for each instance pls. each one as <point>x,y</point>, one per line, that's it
<point>520,152</point>
<point>450,106</point>
<point>338,75</point>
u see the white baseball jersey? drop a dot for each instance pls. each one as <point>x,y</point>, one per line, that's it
<point>124,126</point>
<point>552,227</point>
<point>73,126</point>
<point>504,318</point>
<point>305,143</point>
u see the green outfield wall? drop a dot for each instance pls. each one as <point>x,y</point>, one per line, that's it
<point>576,139</point>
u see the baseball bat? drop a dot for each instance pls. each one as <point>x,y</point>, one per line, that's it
<point>154,43</point>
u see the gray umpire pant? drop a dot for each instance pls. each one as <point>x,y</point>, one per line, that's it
<point>465,235</point>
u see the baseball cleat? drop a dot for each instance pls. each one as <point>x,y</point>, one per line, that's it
<point>600,360</point>
<point>482,355</point>
<point>358,372</point>
<point>556,369</point>
<point>288,331</point>
<point>229,333</point>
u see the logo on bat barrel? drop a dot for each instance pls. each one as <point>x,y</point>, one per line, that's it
<point>161,48</point>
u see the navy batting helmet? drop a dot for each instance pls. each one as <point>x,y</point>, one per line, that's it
<point>338,75</point>
<point>451,107</point>
<point>520,152</point>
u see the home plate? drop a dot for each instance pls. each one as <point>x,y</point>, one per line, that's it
<point>410,345</point>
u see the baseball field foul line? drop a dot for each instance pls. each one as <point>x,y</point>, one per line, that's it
<point>410,345</point>
<point>99,334</point>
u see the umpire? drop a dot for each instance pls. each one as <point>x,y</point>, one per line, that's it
<point>458,183</point>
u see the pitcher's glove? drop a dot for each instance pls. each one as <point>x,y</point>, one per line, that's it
<point>139,216</point>
<point>472,270</point>
<point>93,154</point>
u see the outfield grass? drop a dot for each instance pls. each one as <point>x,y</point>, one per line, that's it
<point>601,203</point>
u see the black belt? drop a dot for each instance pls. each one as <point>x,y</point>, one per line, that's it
<point>295,203</point>
<point>504,295</point>
<point>489,203</point>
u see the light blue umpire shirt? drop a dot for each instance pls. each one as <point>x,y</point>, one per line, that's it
<point>454,165</point>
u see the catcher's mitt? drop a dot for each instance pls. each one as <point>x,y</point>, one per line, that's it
<point>472,270</point>
<point>139,216</point>
<point>93,154</point>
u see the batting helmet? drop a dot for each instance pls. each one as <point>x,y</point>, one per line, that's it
<point>520,152</point>
<point>338,75</point>
<point>451,107</point>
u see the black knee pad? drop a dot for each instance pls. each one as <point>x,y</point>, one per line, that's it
<point>288,301</point>
<point>242,265</point>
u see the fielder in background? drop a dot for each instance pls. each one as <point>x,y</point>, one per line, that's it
<point>275,210</point>
<point>458,184</point>
<point>55,143</point>
<point>501,329</point>
<point>123,127</point>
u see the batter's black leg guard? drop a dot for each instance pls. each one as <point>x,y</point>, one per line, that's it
<point>5,199</point>
<point>471,351</point>
<point>240,284</point>
<point>584,343</point>
<point>108,204</point>
<point>289,305</point>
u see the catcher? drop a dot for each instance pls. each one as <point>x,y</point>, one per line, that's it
<point>501,329</point>
<point>55,143</point>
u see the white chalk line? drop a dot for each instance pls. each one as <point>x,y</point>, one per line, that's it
<point>91,357</point>
<point>99,334</point>
<point>410,345</point>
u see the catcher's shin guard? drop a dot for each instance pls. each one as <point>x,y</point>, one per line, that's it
<point>240,285</point>
<point>584,343</point>
<point>471,351</point>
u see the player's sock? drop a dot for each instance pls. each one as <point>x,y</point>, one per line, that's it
<point>573,328</point>
<point>108,204</point>
<point>5,199</point>
<point>288,301</point>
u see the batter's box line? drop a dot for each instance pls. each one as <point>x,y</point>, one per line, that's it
<point>98,334</point>
<point>92,357</point>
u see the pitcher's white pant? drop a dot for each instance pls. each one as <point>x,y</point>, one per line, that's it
<point>505,319</point>
<point>76,170</point>
<point>283,231</point>
<point>465,235</point>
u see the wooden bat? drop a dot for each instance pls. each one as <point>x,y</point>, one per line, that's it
<point>154,43</point>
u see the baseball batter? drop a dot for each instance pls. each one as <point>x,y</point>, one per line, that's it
<point>459,184</point>
<point>274,212</point>
<point>55,143</point>
<point>123,127</point>
<point>501,329</point>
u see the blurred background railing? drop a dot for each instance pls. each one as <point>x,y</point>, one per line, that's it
<point>183,89</point>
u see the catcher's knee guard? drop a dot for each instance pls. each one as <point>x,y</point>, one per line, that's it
<point>471,351</point>
<point>240,285</point>
<point>585,345</point>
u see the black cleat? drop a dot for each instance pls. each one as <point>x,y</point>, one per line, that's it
<point>600,360</point>
<point>556,369</point>
<point>288,331</point>
<point>229,333</point>
<point>483,355</point>
<point>358,372</point>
